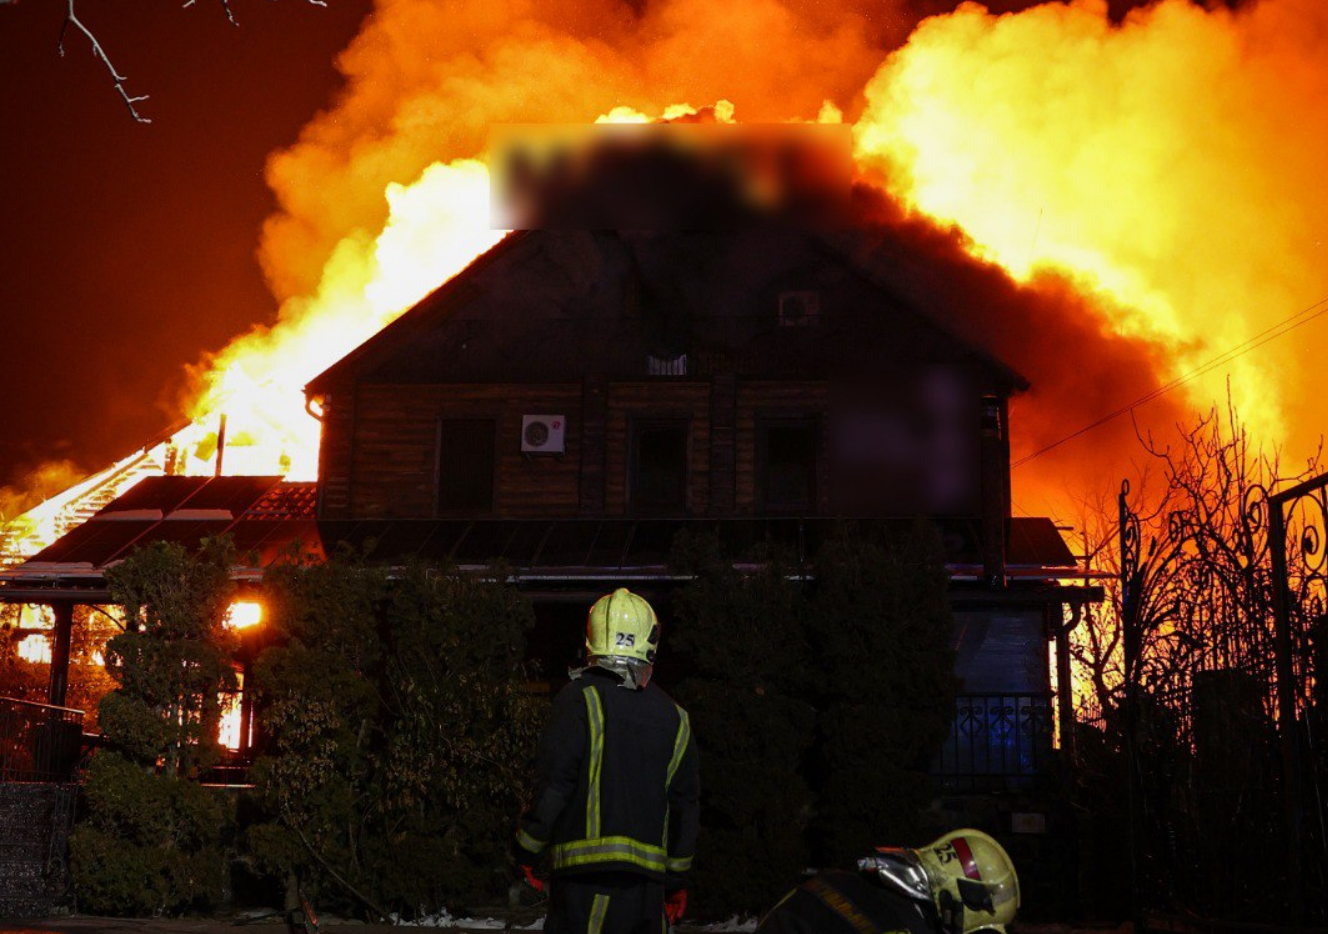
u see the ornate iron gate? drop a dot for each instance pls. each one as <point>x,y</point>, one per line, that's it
<point>1224,754</point>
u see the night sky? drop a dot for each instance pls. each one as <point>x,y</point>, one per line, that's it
<point>128,249</point>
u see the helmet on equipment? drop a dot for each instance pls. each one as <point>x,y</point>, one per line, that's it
<point>622,635</point>
<point>966,874</point>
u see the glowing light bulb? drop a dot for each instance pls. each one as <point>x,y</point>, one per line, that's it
<point>244,614</point>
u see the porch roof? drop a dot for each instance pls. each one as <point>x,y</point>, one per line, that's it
<point>267,517</point>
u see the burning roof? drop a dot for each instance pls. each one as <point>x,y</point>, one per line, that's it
<point>264,516</point>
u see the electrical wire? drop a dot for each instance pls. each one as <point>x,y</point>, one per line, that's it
<point>1281,328</point>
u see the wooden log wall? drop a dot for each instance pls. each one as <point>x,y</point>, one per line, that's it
<point>394,453</point>
<point>379,452</point>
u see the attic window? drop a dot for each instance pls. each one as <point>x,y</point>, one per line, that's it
<point>666,366</point>
<point>799,309</point>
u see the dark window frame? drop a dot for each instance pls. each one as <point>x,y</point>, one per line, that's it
<point>811,316</point>
<point>637,425</point>
<point>440,510</point>
<point>764,422</point>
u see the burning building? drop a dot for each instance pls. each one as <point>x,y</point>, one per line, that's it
<point>582,393</point>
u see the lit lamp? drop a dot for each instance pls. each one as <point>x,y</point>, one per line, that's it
<point>242,616</point>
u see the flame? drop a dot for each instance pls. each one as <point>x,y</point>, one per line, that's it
<point>228,729</point>
<point>35,648</point>
<point>435,226</point>
<point>1157,178</point>
<point>1171,162</point>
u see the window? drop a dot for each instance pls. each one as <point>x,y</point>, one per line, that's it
<point>658,475</point>
<point>465,465</point>
<point>787,452</point>
<point>799,309</point>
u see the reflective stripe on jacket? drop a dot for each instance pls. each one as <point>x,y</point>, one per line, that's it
<point>617,782</point>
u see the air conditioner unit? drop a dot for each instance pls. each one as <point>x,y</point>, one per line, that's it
<point>543,434</point>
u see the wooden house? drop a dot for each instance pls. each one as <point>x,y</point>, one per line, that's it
<point>574,398</point>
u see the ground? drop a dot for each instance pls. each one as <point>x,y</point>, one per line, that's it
<point>82,924</point>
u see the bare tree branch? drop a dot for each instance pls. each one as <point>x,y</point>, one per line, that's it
<point>71,19</point>
<point>119,80</point>
<point>226,5</point>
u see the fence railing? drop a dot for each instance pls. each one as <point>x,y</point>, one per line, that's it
<point>996,742</point>
<point>38,742</point>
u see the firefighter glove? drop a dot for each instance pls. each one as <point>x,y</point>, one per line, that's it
<point>675,906</point>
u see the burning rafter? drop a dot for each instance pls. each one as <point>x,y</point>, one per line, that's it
<point>258,442</point>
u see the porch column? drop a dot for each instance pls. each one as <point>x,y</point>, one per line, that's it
<point>246,707</point>
<point>58,686</point>
<point>1064,681</point>
<point>995,479</point>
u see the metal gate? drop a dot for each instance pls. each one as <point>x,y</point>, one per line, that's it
<point>1224,752</point>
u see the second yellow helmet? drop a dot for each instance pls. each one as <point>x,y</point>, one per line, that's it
<point>969,868</point>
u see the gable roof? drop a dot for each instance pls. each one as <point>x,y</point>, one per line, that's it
<point>553,305</point>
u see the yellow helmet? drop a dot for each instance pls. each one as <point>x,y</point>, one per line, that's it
<point>969,871</point>
<point>623,632</point>
<point>966,875</point>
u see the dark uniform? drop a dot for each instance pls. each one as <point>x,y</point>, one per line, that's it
<point>615,808</point>
<point>847,903</point>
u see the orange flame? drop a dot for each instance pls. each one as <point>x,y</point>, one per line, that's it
<point>1166,166</point>
<point>1172,162</point>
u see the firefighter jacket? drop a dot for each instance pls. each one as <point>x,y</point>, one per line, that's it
<point>847,903</point>
<point>617,783</point>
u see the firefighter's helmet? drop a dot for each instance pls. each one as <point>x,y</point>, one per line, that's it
<point>965,874</point>
<point>622,635</point>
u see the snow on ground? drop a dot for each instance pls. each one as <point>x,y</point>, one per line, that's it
<point>446,920</point>
<point>734,924</point>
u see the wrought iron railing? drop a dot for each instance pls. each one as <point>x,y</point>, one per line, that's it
<point>38,742</point>
<point>996,742</point>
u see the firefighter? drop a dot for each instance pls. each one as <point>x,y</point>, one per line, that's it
<point>615,812</point>
<point>960,884</point>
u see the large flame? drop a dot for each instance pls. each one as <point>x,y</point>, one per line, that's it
<point>1173,161</point>
<point>435,226</point>
<point>1156,180</point>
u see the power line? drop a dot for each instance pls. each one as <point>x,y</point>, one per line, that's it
<point>1283,327</point>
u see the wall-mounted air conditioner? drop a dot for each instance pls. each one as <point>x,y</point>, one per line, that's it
<point>543,434</point>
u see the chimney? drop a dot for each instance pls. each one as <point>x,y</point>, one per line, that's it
<point>995,491</point>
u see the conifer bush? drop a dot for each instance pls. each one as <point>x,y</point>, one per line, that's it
<point>742,638</point>
<point>151,840</point>
<point>881,623</point>
<point>817,707</point>
<point>398,736</point>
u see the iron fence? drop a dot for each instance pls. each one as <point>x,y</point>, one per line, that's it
<point>996,742</point>
<point>1223,626</point>
<point>38,742</point>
